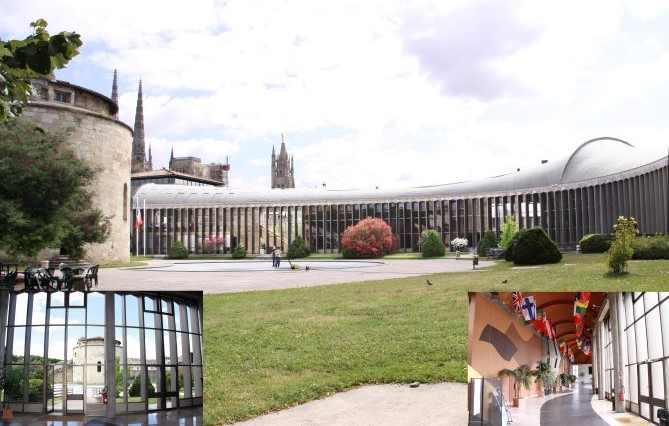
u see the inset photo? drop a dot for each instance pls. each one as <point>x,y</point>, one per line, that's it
<point>127,356</point>
<point>555,358</point>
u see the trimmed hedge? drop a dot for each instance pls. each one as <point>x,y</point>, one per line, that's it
<point>431,244</point>
<point>488,241</point>
<point>650,248</point>
<point>177,251</point>
<point>535,247</point>
<point>595,243</point>
<point>297,249</point>
<point>239,252</point>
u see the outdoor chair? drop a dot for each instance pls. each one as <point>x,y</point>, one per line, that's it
<point>68,278</point>
<point>9,280</point>
<point>91,277</point>
<point>38,279</point>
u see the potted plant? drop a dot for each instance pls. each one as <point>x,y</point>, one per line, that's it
<point>7,411</point>
<point>572,379</point>
<point>544,376</point>
<point>564,380</point>
<point>522,378</point>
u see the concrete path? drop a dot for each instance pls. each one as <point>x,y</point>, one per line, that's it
<point>158,276</point>
<point>389,405</point>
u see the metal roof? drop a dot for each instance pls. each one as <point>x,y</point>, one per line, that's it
<point>599,158</point>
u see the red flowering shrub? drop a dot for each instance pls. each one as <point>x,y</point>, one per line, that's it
<point>369,238</point>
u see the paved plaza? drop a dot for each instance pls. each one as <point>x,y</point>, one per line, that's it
<point>252,275</point>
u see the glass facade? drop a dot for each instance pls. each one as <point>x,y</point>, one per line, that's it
<point>100,351</point>
<point>640,334</point>
<point>566,212</point>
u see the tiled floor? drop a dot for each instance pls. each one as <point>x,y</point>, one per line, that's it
<point>180,417</point>
<point>574,406</point>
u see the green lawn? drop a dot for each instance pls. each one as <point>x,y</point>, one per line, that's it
<point>265,351</point>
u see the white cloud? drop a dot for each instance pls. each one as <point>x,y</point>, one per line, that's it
<point>372,93</point>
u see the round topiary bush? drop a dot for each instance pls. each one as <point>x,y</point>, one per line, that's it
<point>488,241</point>
<point>297,249</point>
<point>239,252</point>
<point>535,247</point>
<point>431,244</point>
<point>595,243</point>
<point>177,251</point>
<point>369,238</point>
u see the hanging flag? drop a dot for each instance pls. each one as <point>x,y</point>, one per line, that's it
<point>587,349</point>
<point>581,303</point>
<point>529,308</point>
<point>563,347</point>
<point>517,299</point>
<point>540,322</point>
<point>550,331</point>
<point>571,354</point>
<point>138,219</point>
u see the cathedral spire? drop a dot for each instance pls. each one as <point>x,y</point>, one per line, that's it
<point>114,94</point>
<point>282,168</point>
<point>139,163</point>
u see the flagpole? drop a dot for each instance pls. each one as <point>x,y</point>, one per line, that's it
<point>136,227</point>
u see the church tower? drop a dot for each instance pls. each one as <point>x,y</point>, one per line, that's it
<point>139,162</point>
<point>282,168</point>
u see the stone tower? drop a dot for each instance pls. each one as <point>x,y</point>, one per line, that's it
<point>101,140</point>
<point>282,168</point>
<point>139,161</point>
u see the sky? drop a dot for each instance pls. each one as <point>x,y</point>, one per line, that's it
<point>374,93</point>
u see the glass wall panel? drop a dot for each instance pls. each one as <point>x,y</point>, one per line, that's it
<point>642,345</point>
<point>654,331</point>
<point>95,309</point>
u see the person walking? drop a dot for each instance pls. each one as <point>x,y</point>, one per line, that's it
<point>273,257</point>
<point>278,257</point>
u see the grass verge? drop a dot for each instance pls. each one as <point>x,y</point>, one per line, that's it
<point>266,351</point>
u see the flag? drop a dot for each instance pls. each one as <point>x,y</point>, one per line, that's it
<point>550,331</point>
<point>517,299</point>
<point>581,302</point>
<point>563,347</point>
<point>540,321</point>
<point>138,219</point>
<point>529,308</point>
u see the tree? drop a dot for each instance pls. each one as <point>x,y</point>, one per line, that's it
<point>38,54</point>
<point>45,200</point>
<point>297,249</point>
<point>371,237</point>
<point>625,230</point>
<point>509,230</point>
<point>431,244</point>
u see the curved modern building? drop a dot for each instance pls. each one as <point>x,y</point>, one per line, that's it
<point>580,194</point>
<point>100,353</point>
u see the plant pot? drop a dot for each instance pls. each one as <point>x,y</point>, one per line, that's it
<point>7,413</point>
<point>515,402</point>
